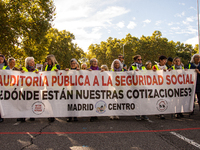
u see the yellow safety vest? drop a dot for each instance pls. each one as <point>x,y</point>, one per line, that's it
<point>157,67</point>
<point>134,67</point>
<point>26,70</point>
<point>4,67</point>
<point>189,66</point>
<point>174,67</point>
<point>52,69</point>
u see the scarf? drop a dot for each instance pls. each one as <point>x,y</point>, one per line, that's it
<point>140,66</point>
<point>117,69</point>
<point>196,65</point>
<point>1,65</point>
<point>161,67</point>
<point>94,68</point>
<point>178,67</point>
<point>30,68</point>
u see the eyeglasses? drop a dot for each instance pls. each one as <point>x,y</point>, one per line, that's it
<point>120,57</point>
<point>73,63</point>
<point>139,59</point>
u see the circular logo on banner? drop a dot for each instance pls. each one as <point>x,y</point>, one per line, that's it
<point>38,108</point>
<point>100,107</point>
<point>162,105</point>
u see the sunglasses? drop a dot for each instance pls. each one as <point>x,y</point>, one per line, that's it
<point>139,59</point>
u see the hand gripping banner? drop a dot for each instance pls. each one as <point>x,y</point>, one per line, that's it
<point>94,93</point>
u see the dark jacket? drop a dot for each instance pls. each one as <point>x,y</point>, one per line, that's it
<point>192,66</point>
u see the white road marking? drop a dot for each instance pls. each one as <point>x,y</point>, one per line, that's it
<point>17,123</point>
<point>186,139</point>
<point>150,121</point>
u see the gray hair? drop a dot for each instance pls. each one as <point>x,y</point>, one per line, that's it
<point>91,60</point>
<point>192,59</point>
<point>73,59</point>
<point>113,63</point>
<point>27,60</point>
<point>10,59</point>
<point>83,64</point>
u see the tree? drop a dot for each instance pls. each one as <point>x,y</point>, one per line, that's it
<point>59,43</point>
<point>24,25</point>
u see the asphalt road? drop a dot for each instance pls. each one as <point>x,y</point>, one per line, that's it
<point>126,133</point>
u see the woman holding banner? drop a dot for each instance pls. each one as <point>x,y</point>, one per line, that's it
<point>161,66</point>
<point>52,65</point>
<point>29,67</point>
<point>74,66</point>
<point>93,67</point>
<point>116,66</point>
<point>136,66</point>
<point>195,64</point>
<point>3,66</point>
<point>177,64</point>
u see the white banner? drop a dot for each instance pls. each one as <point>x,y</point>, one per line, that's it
<point>95,93</point>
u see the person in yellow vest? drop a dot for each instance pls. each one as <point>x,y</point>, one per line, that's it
<point>74,66</point>
<point>148,65</point>
<point>137,65</point>
<point>177,64</point>
<point>116,66</point>
<point>161,66</point>
<point>3,63</point>
<point>52,65</point>
<point>29,67</point>
<point>3,66</point>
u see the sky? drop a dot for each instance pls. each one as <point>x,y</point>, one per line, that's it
<point>93,21</point>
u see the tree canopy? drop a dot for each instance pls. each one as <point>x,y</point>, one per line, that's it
<point>26,30</point>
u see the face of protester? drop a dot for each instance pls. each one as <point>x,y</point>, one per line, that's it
<point>121,58</point>
<point>12,63</point>
<point>177,62</point>
<point>116,64</point>
<point>1,60</point>
<point>73,64</point>
<point>163,62</point>
<point>196,59</point>
<point>49,61</point>
<point>149,66</point>
<point>94,63</point>
<point>31,63</point>
<point>84,67</point>
<point>139,60</point>
<point>169,63</point>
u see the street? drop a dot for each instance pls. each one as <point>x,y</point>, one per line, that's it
<point>125,133</point>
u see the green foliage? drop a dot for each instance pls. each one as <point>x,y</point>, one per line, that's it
<point>149,47</point>
<point>24,25</point>
<point>61,46</point>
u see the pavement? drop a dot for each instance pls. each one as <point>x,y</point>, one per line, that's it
<point>102,134</point>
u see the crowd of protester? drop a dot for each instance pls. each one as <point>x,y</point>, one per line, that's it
<point>117,65</point>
